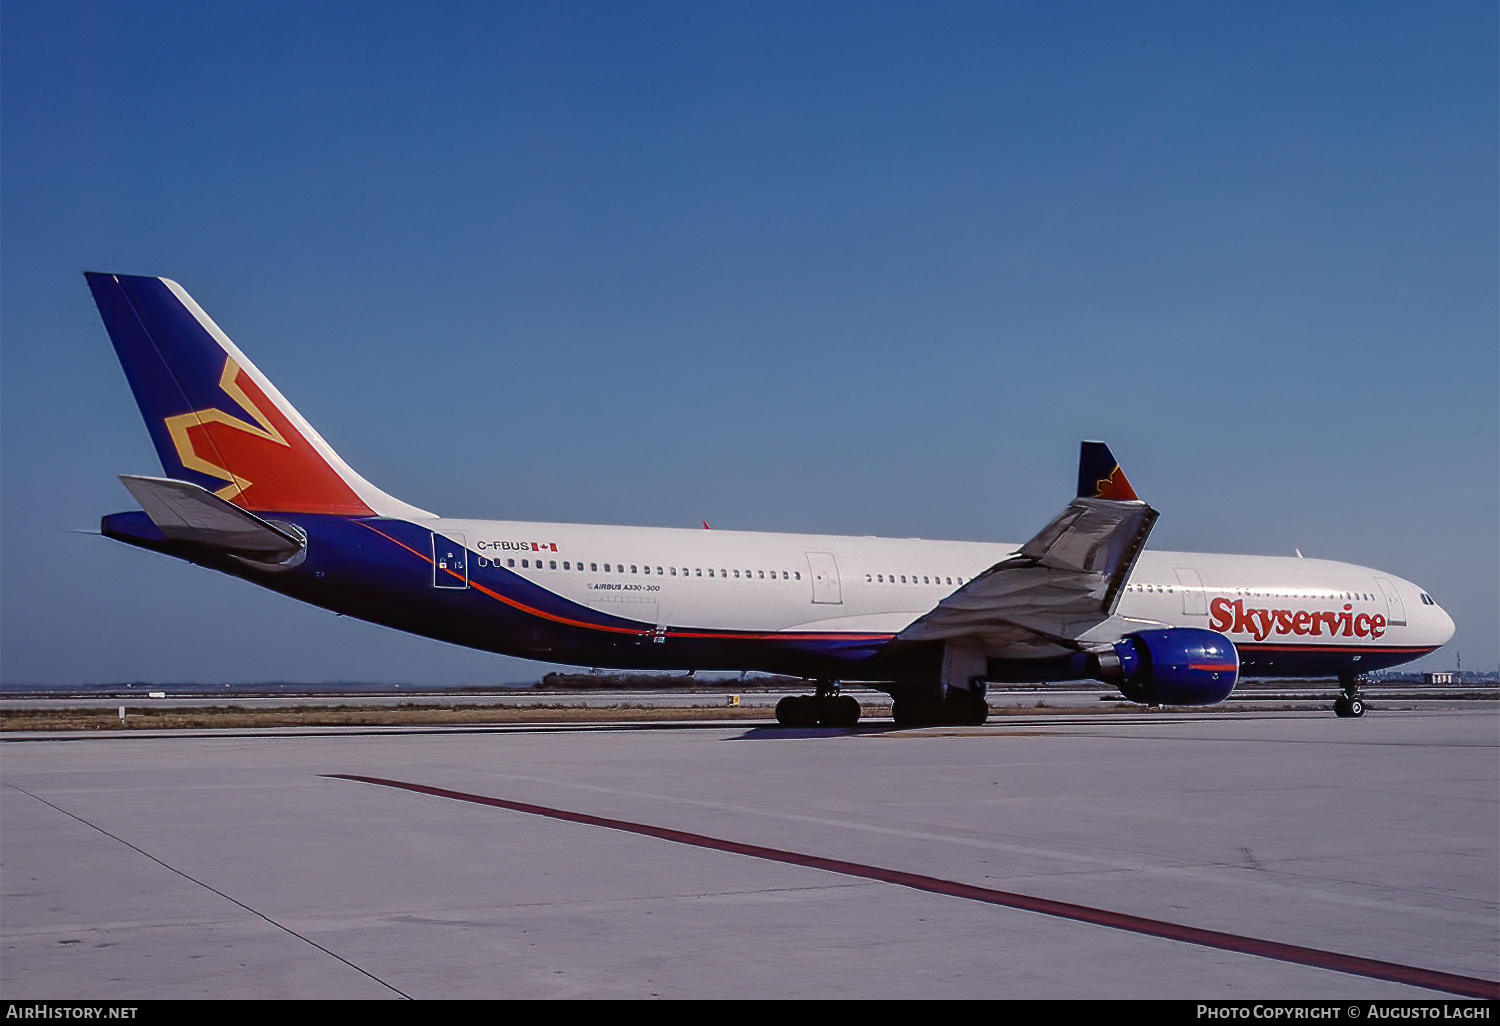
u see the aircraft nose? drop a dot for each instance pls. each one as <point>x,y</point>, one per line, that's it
<point>1435,619</point>
<point>1444,625</point>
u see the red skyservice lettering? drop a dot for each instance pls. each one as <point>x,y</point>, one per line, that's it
<point>1233,618</point>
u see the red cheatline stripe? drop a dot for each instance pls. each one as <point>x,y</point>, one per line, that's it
<point>532,611</point>
<point>501,598</point>
<point>1429,979</point>
<point>1338,649</point>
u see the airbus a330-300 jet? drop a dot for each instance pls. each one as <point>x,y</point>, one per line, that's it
<point>253,491</point>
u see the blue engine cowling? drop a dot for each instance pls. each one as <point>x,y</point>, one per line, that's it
<point>1172,666</point>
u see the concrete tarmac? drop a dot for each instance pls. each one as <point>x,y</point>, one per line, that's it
<point>682,861</point>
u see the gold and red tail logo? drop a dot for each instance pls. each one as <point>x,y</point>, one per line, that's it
<point>1115,487</point>
<point>267,463</point>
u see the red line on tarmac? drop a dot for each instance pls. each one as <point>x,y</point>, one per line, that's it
<point>1448,983</point>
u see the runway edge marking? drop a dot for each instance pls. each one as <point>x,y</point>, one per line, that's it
<point>1354,965</point>
<point>212,890</point>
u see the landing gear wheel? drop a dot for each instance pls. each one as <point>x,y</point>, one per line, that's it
<point>906,712</point>
<point>1346,707</point>
<point>1350,704</point>
<point>841,711</point>
<point>817,711</point>
<point>957,709</point>
<point>979,711</point>
<point>796,711</point>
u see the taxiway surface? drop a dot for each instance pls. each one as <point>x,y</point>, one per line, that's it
<point>730,861</point>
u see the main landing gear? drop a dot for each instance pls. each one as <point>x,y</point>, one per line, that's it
<point>1351,703</point>
<point>825,708</point>
<point>946,707</point>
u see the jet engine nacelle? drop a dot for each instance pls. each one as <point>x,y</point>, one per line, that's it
<point>1172,666</point>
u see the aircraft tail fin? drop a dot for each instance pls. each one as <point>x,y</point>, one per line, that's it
<point>1100,476</point>
<point>215,419</point>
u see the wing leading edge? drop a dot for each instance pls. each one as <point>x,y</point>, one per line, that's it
<point>1061,583</point>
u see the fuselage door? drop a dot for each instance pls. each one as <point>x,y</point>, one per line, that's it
<point>825,578</point>
<point>1395,609</point>
<point>450,560</point>
<point>1191,585</point>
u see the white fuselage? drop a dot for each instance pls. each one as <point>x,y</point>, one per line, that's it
<point>745,580</point>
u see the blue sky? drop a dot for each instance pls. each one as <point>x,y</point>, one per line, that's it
<point>848,268</point>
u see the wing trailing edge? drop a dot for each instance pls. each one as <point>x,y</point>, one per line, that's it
<point>1059,585</point>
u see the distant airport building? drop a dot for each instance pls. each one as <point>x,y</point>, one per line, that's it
<point>1441,677</point>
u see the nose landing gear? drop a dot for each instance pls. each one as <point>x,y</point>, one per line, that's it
<point>1351,703</point>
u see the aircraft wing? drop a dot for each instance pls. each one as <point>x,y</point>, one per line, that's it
<point>1061,583</point>
<point>186,512</point>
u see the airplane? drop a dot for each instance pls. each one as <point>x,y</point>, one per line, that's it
<point>253,491</point>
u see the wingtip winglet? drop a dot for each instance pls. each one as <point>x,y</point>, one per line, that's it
<point>1100,476</point>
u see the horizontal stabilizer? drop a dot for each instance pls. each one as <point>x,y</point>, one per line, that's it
<point>185,512</point>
